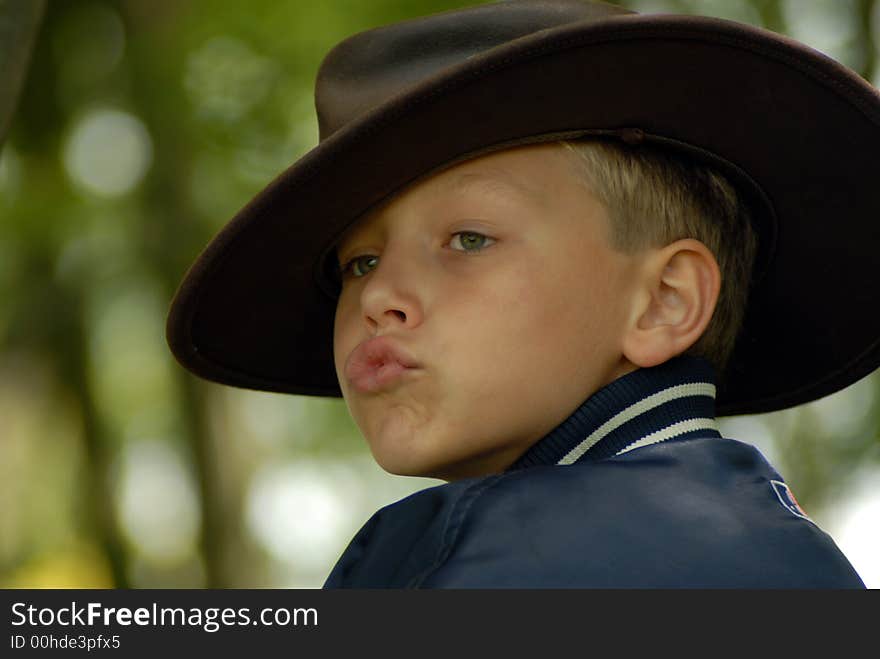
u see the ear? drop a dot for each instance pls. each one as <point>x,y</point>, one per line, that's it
<point>674,302</point>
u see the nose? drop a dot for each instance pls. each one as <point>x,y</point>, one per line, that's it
<point>390,297</point>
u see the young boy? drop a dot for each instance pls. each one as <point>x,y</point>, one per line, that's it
<point>540,246</point>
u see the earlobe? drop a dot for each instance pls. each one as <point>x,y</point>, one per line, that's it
<point>674,304</point>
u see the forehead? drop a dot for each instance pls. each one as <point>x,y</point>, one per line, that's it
<point>528,174</point>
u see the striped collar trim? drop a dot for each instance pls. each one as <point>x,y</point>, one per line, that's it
<point>673,400</point>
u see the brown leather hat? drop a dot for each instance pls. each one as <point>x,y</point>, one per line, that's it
<point>798,133</point>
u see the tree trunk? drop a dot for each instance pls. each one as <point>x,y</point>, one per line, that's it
<point>19,24</point>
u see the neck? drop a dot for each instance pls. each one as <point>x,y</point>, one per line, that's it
<point>671,401</point>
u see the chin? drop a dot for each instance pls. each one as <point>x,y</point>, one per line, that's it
<point>393,463</point>
<point>431,456</point>
<point>403,467</point>
<point>446,471</point>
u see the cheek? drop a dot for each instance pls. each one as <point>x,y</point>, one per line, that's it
<point>566,309</point>
<point>500,320</point>
<point>489,304</point>
<point>342,335</point>
<point>536,299</point>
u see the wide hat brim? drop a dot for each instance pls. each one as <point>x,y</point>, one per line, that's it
<point>795,129</point>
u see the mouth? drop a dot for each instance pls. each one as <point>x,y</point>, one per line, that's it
<point>377,364</point>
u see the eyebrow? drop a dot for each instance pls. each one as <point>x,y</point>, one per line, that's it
<point>494,181</point>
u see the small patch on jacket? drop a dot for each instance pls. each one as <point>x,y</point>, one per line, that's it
<point>786,498</point>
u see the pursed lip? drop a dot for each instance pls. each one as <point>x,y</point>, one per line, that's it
<point>377,363</point>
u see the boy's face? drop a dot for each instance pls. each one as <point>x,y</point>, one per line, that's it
<point>497,279</point>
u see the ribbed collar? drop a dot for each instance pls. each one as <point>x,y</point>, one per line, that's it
<point>673,400</point>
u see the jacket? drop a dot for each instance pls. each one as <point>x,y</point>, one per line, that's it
<point>635,489</point>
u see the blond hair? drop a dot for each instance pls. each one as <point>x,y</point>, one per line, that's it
<point>653,198</point>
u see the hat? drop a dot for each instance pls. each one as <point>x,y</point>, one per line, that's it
<point>797,133</point>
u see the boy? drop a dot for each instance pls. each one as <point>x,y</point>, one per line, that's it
<point>540,246</point>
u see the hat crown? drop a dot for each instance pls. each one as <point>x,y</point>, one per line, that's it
<point>367,69</point>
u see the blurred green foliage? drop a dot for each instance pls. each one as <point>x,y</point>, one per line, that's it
<point>142,127</point>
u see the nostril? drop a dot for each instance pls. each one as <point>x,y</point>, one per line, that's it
<point>400,314</point>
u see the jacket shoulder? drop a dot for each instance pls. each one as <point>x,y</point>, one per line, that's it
<point>693,513</point>
<point>406,540</point>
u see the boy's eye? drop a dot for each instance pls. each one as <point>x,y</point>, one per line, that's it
<point>470,241</point>
<point>360,265</point>
<point>467,241</point>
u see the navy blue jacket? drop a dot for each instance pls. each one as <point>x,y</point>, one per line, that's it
<point>636,489</point>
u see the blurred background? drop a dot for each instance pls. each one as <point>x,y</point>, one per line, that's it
<point>141,127</point>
